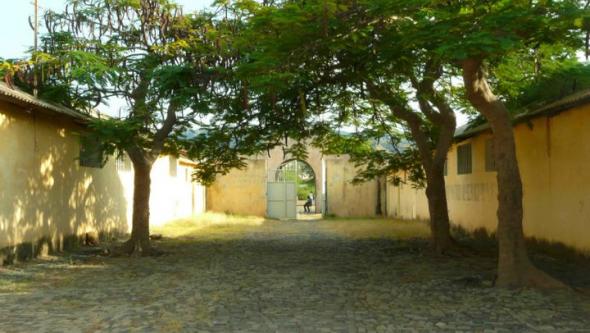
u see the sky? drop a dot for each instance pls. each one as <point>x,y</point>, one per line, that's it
<point>17,37</point>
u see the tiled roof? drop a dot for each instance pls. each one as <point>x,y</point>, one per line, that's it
<point>468,130</point>
<point>18,96</point>
<point>568,102</point>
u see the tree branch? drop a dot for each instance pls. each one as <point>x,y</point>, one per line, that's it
<point>413,120</point>
<point>165,130</point>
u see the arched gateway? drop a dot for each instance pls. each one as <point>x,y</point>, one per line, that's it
<point>267,187</point>
<point>291,190</point>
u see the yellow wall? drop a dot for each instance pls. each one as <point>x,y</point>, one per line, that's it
<point>406,202</point>
<point>345,198</point>
<point>562,199</point>
<point>244,191</point>
<point>553,156</point>
<point>240,191</point>
<point>472,198</point>
<point>44,193</point>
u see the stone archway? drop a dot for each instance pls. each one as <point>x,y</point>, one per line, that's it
<point>315,160</point>
<point>304,178</point>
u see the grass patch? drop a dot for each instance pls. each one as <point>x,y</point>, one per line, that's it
<point>222,226</point>
<point>370,228</point>
<point>12,281</point>
<point>208,223</point>
<point>14,286</point>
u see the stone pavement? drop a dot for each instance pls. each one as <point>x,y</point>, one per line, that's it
<point>282,277</point>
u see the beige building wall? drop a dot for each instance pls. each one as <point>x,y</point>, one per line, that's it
<point>240,192</point>
<point>406,202</point>
<point>46,194</point>
<point>553,157</point>
<point>174,195</point>
<point>347,199</point>
<point>244,191</point>
<point>472,198</point>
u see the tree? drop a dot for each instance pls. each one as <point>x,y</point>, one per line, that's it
<point>530,79</point>
<point>258,112</point>
<point>168,68</point>
<point>431,128</point>
<point>337,51</point>
<point>473,35</point>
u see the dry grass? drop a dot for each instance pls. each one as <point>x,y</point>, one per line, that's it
<point>9,286</point>
<point>216,225</point>
<point>209,223</point>
<point>375,228</point>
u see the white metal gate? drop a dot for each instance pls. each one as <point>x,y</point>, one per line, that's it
<point>281,195</point>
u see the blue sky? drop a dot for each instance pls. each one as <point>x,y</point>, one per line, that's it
<point>17,36</point>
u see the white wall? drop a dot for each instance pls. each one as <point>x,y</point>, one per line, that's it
<point>173,195</point>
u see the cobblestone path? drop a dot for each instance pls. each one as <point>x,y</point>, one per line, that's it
<point>279,277</point>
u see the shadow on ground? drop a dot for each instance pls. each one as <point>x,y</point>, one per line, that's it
<point>255,275</point>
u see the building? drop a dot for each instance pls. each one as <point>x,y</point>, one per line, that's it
<point>553,153</point>
<point>50,194</point>
<point>252,191</point>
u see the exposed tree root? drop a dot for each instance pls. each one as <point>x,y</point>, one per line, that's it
<point>528,277</point>
<point>450,248</point>
<point>134,247</point>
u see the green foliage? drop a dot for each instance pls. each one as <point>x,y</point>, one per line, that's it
<point>375,156</point>
<point>256,73</point>
<point>174,71</point>
<point>218,150</point>
<point>330,52</point>
<point>554,79</point>
<point>301,174</point>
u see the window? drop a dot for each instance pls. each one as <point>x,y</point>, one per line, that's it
<point>173,170</point>
<point>90,152</point>
<point>490,160</point>
<point>464,159</point>
<point>123,163</point>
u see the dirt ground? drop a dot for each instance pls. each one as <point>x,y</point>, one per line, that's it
<point>223,273</point>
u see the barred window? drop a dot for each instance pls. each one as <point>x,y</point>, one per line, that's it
<point>490,159</point>
<point>464,159</point>
<point>91,155</point>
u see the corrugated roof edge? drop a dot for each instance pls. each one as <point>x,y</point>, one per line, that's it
<point>18,96</point>
<point>465,132</point>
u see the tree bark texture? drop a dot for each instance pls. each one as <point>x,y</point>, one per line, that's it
<point>140,233</point>
<point>440,225</point>
<point>432,161</point>
<point>514,266</point>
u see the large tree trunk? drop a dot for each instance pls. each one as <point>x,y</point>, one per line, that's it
<point>140,234</point>
<point>438,209</point>
<point>514,266</point>
<point>432,161</point>
<point>139,241</point>
<point>435,183</point>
